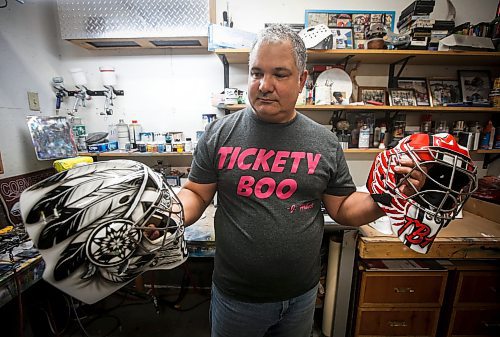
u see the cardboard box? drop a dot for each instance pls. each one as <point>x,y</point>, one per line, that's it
<point>465,42</point>
<point>102,147</point>
<point>483,209</point>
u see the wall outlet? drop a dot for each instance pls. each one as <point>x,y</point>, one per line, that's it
<point>33,101</point>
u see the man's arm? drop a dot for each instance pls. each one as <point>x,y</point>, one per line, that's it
<point>195,198</point>
<point>356,209</point>
<point>359,208</point>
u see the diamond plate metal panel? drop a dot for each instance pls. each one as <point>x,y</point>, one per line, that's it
<point>133,18</point>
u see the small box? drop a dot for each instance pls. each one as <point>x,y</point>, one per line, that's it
<point>103,147</point>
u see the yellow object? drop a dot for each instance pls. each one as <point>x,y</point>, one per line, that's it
<point>6,229</point>
<point>68,163</point>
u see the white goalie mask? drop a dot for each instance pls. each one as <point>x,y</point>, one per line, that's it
<point>89,225</point>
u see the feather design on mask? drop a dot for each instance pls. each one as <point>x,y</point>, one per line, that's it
<point>82,207</point>
<point>71,259</point>
<point>58,196</point>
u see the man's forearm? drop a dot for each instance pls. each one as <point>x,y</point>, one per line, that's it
<point>358,209</point>
<point>193,205</point>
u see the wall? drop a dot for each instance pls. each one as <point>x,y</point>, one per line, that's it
<point>165,90</point>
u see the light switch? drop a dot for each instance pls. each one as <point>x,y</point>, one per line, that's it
<point>33,101</point>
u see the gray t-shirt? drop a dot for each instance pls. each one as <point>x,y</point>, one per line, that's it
<point>270,180</point>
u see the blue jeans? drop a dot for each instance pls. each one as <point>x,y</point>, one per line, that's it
<point>290,318</point>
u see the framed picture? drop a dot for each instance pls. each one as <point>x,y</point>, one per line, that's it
<point>360,21</point>
<point>419,85</point>
<point>402,97</point>
<point>444,91</point>
<point>475,86</point>
<point>372,94</point>
<point>343,37</point>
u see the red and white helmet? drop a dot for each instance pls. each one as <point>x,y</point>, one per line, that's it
<point>88,224</point>
<point>450,180</point>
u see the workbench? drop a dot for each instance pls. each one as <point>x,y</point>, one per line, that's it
<point>472,237</point>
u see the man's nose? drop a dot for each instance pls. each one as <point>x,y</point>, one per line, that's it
<point>266,84</point>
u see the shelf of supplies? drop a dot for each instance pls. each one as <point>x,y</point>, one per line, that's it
<point>488,151</point>
<point>363,150</point>
<point>377,56</point>
<point>236,107</point>
<point>135,154</point>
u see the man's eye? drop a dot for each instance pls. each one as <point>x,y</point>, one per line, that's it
<point>256,74</point>
<point>281,75</point>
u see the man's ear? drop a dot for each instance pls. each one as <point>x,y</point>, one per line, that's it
<point>303,79</point>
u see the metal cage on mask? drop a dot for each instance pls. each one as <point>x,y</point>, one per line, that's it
<point>450,179</point>
<point>89,222</point>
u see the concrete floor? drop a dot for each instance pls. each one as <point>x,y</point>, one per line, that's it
<point>129,312</point>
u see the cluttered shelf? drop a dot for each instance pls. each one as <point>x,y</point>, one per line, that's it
<point>311,107</point>
<point>380,56</point>
<point>122,153</point>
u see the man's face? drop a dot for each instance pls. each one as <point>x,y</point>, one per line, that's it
<point>274,82</point>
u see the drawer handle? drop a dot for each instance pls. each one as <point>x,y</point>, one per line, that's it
<point>490,324</point>
<point>404,290</point>
<point>394,324</point>
<point>493,289</point>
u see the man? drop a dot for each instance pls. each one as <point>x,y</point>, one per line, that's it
<point>271,167</point>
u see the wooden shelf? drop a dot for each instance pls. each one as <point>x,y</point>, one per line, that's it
<point>136,154</point>
<point>488,151</point>
<point>237,107</point>
<point>373,56</point>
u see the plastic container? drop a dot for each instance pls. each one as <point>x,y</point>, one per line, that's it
<point>122,134</point>
<point>188,147</point>
<point>134,132</point>
<point>364,137</point>
<point>108,75</point>
<point>79,76</point>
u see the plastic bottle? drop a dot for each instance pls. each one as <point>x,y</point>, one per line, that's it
<point>122,134</point>
<point>486,136</point>
<point>364,137</point>
<point>168,143</point>
<point>188,145</point>
<point>383,131</point>
<point>135,130</point>
<point>376,136</point>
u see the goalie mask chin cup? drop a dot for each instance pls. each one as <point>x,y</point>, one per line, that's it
<point>450,178</point>
<point>89,225</point>
<point>317,37</point>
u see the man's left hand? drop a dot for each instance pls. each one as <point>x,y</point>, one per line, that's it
<point>416,178</point>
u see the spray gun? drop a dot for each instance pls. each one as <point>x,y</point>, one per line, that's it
<point>81,96</point>
<point>80,93</point>
<point>61,92</point>
<point>108,77</point>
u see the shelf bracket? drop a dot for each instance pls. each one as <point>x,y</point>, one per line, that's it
<point>225,63</point>
<point>346,60</point>
<point>393,80</point>
<point>489,158</point>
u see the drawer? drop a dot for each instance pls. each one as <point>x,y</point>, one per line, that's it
<point>396,322</point>
<point>478,287</point>
<point>402,289</point>
<point>475,322</point>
